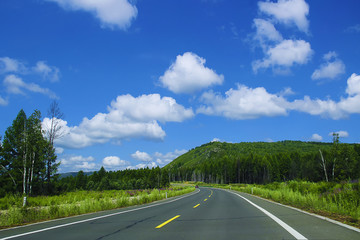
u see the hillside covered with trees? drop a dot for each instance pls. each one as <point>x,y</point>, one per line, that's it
<point>263,162</point>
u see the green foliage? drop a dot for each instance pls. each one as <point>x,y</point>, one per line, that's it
<point>116,180</point>
<point>329,197</point>
<point>262,162</point>
<point>23,156</point>
<point>73,203</point>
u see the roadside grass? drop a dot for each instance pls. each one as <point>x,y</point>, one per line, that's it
<point>338,201</point>
<point>75,203</point>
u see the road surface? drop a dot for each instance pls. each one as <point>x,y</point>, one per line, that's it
<point>205,214</point>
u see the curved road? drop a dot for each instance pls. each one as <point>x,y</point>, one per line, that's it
<point>205,214</point>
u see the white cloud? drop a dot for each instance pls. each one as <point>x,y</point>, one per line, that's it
<point>111,13</point>
<point>144,165</point>
<point>68,163</point>
<point>288,12</point>
<point>127,118</point>
<point>188,74</point>
<point>10,65</point>
<point>48,72</point>
<point>16,85</point>
<point>353,85</point>
<point>86,166</point>
<point>331,108</point>
<point>149,107</point>
<point>343,134</point>
<point>215,140</point>
<point>249,103</point>
<point>3,101</point>
<point>59,150</point>
<point>333,67</point>
<point>265,31</point>
<point>354,28</point>
<point>325,108</point>
<point>114,161</point>
<point>285,54</point>
<point>316,137</point>
<point>141,156</point>
<point>69,160</point>
<point>163,159</point>
<point>243,103</point>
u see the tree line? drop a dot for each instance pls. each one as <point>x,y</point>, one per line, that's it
<point>128,179</point>
<point>268,162</point>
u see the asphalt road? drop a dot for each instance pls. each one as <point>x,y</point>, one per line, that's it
<point>206,214</point>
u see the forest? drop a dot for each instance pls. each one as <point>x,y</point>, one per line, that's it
<point>263,162</point>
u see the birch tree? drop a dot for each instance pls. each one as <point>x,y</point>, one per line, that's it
<point>52,132</point>
<point>23,155</point>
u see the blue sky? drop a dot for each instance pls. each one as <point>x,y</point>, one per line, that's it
<point>141,82</point>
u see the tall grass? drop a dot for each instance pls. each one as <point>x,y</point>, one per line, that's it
<point>74,203</point>
<point>337,200</point>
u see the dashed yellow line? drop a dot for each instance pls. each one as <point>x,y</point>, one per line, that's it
<point>205,199</point>
<point>211,193</point>
<point>196,206</point>
<point>164,223</point>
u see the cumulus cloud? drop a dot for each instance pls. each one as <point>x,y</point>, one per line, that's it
<point>149,107</point>
<point>332,68</point>
<point>15,85</point>
<point>265,32</point>
<point>343,134</point>
<point>189,74</point>
<point>353,85</point>
<point>281,54</point>
<point>285,54</point>
<point>86,166</point>
<point>127,118</point>
<point>111,13</point>
<point>330,108</point>
<point>288,12</point>
<point>243,103</point>
<point>114,162</point>
<point>316,137</point>
<point>141,156</point>
<point>249,103</point>
<point>78,162</point>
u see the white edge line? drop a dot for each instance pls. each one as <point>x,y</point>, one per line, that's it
<point>95,218</point>
<point>311,214</point>
<point>292,231</point>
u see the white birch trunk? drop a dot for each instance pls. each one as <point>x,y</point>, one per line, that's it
<point>323,165</point>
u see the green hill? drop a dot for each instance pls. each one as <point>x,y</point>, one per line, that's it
<point>261,162</point>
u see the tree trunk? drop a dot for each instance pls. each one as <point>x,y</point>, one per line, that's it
<point>324,166</point>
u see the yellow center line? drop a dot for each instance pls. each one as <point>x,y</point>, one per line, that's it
<point>205,200</point>
<point>164,223</point>
<point>211,193</point>
<point>196,206</point>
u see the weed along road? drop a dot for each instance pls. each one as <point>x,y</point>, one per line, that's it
<point>205,214</point>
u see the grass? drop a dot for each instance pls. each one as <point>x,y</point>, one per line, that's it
<point>339,201</point>
<point>75,203</point>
